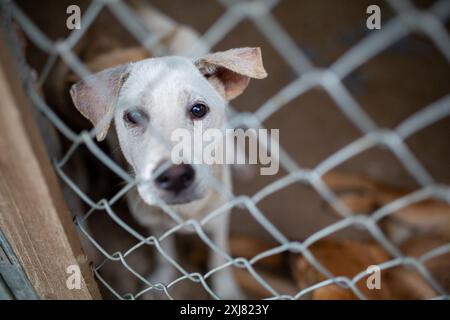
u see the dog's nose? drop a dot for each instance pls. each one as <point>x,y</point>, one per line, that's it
<point>176,178</point>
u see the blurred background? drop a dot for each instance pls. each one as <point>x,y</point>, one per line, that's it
<point>402,79</point>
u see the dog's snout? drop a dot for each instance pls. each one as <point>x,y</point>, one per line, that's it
<point>176,178</point>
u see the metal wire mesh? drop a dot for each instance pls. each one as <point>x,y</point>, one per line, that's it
<point>408,19</point>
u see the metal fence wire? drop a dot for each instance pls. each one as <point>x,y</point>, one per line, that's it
<point>408,19</point>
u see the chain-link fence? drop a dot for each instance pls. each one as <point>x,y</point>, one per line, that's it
<point>407,19</point>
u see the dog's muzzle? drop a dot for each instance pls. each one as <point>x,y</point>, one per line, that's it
<point>176,178</point>
<point>176,184</point>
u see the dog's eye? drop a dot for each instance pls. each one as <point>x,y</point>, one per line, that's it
<point>135,117</point>
<point>199,110</point>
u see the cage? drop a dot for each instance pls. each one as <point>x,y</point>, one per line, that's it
<point>362,189</point>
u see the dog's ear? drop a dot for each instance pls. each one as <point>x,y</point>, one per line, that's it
<point>96,96</point>
<point>230,71</point>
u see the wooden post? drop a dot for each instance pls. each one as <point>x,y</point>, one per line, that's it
<point>33,213</point>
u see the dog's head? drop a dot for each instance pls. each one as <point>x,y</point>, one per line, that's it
<point>149,99</point>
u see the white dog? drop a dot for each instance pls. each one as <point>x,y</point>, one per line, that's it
<point>147,101</point>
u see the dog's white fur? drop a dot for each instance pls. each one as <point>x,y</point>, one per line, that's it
<point>165,89</point>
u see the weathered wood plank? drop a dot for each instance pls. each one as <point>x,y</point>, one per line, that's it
<point>33,213</point>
